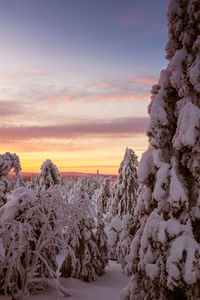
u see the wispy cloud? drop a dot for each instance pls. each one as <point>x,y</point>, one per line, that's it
<point>117,127</point>
<point>143,80</point>
<point>118,90</point>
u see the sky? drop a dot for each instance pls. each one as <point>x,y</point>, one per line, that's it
<point>75,80</point>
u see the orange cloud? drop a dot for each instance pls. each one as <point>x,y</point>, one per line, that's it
<point>107,85</point>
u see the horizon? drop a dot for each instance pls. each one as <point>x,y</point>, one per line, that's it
<point>76,80</point>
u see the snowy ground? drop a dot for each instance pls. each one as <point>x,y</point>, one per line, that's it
<point>106,287</point>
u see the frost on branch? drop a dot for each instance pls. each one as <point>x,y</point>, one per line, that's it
<point>165,251</point>
<point>49,174</point>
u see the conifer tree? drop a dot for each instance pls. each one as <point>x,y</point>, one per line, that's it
<point>8,161</point>
<point>104,195</point>
<point>86,257</point>
<point>165,253</point>
<point>49,174</point>
<point>126,186</point>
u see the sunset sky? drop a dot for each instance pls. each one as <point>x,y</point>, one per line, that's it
<point>75,79</point>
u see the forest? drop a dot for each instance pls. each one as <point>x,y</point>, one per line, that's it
<point>147,219</point>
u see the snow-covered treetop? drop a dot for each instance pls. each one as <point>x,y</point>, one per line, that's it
<point>49,174</point>
<point>7,162</point>
<point>130,158</point>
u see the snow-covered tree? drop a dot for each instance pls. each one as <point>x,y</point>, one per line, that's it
<point>126,186</point>
<point>123,200</point>
<point>165,253</point>
<point>102,245</point>
<point>113,230</point>
<point>49,174</point>
<point>8,161</point>
<point>104,195</point>
<point>28,240</point>
<point>86,255</point>
<point>127,234</point>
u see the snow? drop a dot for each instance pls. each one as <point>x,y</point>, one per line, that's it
<point>177,191</point>
<point>158,113</point>
<point>112,237</point>
<point>105,287</point>
<point>145,167</point>
<point>116,224</point>
<point>194,74</point>
<point>9,210</point>
<point>188,126</point>
<point>176,68</point>
<point>183,244</point>
<point>160,189</point>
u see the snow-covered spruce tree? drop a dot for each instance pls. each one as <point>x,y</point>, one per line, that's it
<point>126,186</point>
<point>102,244</point>
<point>124,200</point>
<point>28,240</point>
<point>49,174</point>
<point>104,195</point>
<point>8,161</point>
<point>165,252</point>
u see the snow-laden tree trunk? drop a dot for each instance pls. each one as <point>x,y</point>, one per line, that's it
<point>165,252</point>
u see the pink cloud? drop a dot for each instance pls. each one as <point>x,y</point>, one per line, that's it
<point>117,127</point>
